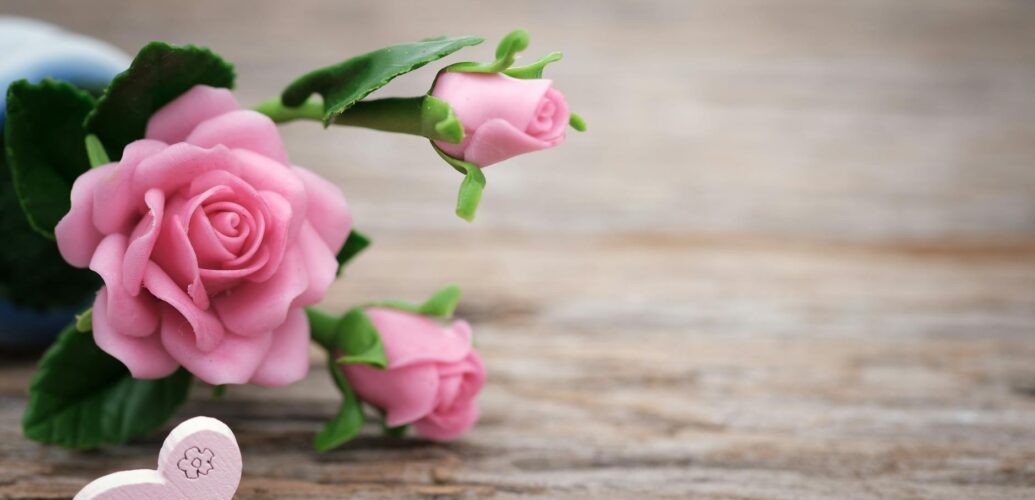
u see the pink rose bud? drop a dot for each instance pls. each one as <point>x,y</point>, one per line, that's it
<point>502,116</point>
<point>432,378</point>
<point>210,244</point>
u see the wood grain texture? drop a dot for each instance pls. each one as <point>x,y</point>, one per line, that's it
<point>793,258</point>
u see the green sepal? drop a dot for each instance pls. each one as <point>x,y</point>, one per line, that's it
<point>577,122</point>
<point>355,334</point>
<point>352,333</point>
<point>218,391</point>
<point>347,422</point>
<point>506,53</point>
<point>84,321</point>
<point>83,398</point>
<point>441,304</point>
<point>344,84</point>
<point>358,337</point>
<point>471,188</point>
<point>534,70</point>
<point>440,122</point>
<point>354,244</point>
<point>43,139</point>
<point>392,432</point>
<point>95,151</point>
<point>159,74</point>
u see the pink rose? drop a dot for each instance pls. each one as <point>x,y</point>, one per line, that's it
<point>209,242</point>
<point>502,116</point>
<point>432,378</point>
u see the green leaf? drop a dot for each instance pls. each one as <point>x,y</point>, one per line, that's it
<point>159,73</point>
<point>32,272</point>
<point>344,84</point>
<point>506,53</point>
<point>44,147</point>
<point>347,422</point>
<point>354,244</point>
<point>358,337</point>
<point>83,398</point>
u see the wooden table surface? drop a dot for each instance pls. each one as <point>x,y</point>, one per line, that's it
<point>793,258</point>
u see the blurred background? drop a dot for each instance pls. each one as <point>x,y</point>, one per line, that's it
<point>794,254</point>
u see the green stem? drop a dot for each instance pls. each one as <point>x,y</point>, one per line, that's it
<point>273,108</point>
<point>323,327</point>
<point>424,116</point>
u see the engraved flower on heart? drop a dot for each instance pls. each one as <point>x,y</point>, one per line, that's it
<point>195,462</point>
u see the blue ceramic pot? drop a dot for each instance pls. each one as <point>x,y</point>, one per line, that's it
<point>34,50</point>
<point>28,329</point>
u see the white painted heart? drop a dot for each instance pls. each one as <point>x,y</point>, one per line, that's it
<point>200,460</point>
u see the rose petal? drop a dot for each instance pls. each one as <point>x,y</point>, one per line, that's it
<point>321,266</point>
<point>135,316</point>
<point>472,373</point>
<point>480,97</point>
<point>253,308</point>
<point>448,389</point>
<point>175,255</point>
<point>219,280</point>
<point>177,165</point>
<point>449,425</point>
<point>145,357</point>
<point>209,244</point>
<point>207,329</point>
<point>276,239</point>
<point>142,242</point>
<point>232,361</point>
<point>412,338</point>
<point>497,140</point>
<point>173,122</point>
<point>328,211</point>
<point>76,235</point>
<point>116,206</point>
<point>287,361</point>
<point>558,121</point>
<point>265,174</point>
<point>406,394</point>
<point>223,191</point>
<point>241,129</point>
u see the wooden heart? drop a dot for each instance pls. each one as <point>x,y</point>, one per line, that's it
<point>200,460</point>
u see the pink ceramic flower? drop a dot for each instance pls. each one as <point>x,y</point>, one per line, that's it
<point>432,378</point>
<point>209,242</point>
<point>502,116</point>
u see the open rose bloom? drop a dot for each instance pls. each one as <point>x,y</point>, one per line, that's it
<point>210,243</point>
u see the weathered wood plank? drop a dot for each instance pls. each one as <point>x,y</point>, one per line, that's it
<point>768,371</point>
